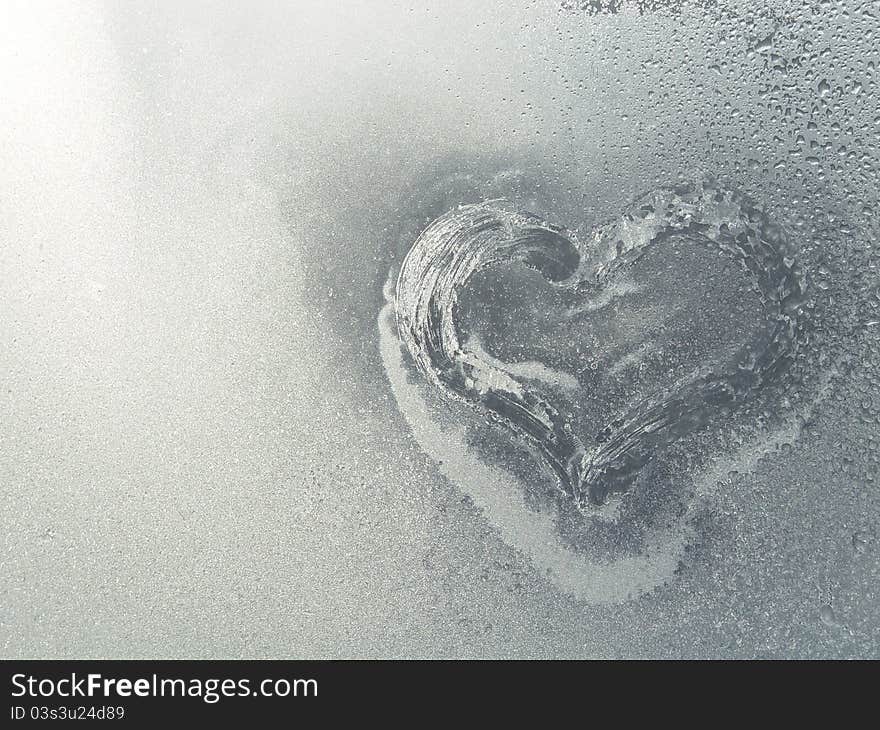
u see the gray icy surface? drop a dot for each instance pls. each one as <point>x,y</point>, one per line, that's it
<point>200,204</point>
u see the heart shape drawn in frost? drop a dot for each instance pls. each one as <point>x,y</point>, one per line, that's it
<point>590,469</point>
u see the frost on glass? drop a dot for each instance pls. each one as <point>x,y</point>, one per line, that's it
<point>593,375</point>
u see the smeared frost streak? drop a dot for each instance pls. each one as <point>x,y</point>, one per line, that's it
<point>472,238</point>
